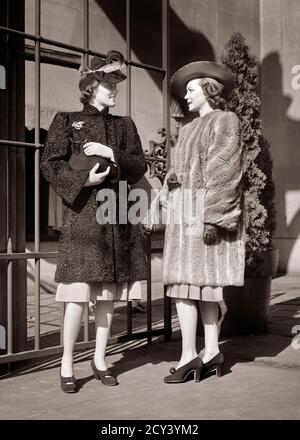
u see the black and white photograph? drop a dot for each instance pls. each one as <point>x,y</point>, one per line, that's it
<point>149,214</point>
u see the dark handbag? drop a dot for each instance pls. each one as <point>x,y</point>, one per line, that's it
<point>80,161</point>
<point>83,162</point>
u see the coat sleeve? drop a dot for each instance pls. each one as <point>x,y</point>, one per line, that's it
<point>54,161</point>
<point>131,160</point>
<point>223,173</point>
<point>174,153</point>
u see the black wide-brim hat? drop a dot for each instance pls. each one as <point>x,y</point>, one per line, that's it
<point>201,69</point>
<point>103,69</point>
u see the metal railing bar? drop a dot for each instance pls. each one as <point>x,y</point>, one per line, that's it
<point>7,143</point>
<point>49,41</point>
<point>71,47</point>
<point>37,262</point>
<point>61,326</point>
<point>10,263</point>
<point>128,112</point>
<point>149,290</point>
<point>79,49</point>
<point>167,315</point>
<point>86,323</point>
<point>9,302</point>
<point>36,255</point>
<point>86,31</point>
<point>129,318</point>
<point>31,354</point>
<point>81,356</point>
<point>128,57</point>
<point>17,33</point>
<point>27,255</point>
<point>52,56</point>
<point>166,80</point>
<point>166,124</point>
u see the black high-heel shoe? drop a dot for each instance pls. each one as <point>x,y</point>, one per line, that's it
<point>68,384</point>
<point>104,375</point>
<point>215,364</point>
<point>182,374</point>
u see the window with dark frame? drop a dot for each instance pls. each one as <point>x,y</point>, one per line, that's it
<point>59,55</point>
<point>15,49</point>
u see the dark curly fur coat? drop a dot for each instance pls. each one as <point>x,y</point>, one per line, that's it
<point>89,251</point>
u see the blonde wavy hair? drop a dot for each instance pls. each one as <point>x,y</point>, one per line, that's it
<point>212,90</point>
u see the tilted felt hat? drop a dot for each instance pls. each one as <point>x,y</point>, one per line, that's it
<point>201,69</point>
<point>108,70</point>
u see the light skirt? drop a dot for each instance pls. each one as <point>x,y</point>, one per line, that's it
<point>85,292</point>
<point>200,293</point>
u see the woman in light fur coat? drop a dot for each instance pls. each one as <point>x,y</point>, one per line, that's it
<point>205,238</point>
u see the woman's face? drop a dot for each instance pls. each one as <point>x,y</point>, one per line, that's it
<point>194,97</point>
<point>105,94</point>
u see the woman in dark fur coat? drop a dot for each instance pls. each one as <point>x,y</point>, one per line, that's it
<point>85,152</point>
<point>205,237</point>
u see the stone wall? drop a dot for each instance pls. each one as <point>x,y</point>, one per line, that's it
<point>199,30</point>
<point>280,53</point>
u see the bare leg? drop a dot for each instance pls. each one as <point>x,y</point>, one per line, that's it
<point>209,314</point>
<point>187,315</point>
<point>72,323</point>
<point>103,319</point>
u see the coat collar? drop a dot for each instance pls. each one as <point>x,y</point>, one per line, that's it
<point>90,109</point>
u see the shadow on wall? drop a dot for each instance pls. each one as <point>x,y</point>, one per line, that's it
<point>283,132</point>
<point>185,45</point>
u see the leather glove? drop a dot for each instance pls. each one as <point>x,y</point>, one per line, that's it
<point>210,234</point>
<point>96,178</point>
<point>98,149</point>
<point>172,182</point>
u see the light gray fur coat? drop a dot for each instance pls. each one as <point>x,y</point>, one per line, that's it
<point>208,161</point>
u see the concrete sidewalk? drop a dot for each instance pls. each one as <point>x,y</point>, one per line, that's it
<point>261,379</point>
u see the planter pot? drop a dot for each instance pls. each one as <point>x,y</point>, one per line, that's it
<point>274,262</point>
<point>244,310</point>
<point>265,264</point>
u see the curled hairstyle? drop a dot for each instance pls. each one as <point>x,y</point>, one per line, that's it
<point>212,90</point>
<point>87,94</point>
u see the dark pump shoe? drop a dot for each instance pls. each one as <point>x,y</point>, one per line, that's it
<point>68,384</point>
<point>104,375</point>
<point>184,372</point>
<point>214,365</point>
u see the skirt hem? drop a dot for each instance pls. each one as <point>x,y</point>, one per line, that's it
<point>86,292</point>
<point>192,292</point>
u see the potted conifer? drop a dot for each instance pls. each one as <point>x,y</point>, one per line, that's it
<point>245,309</point>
